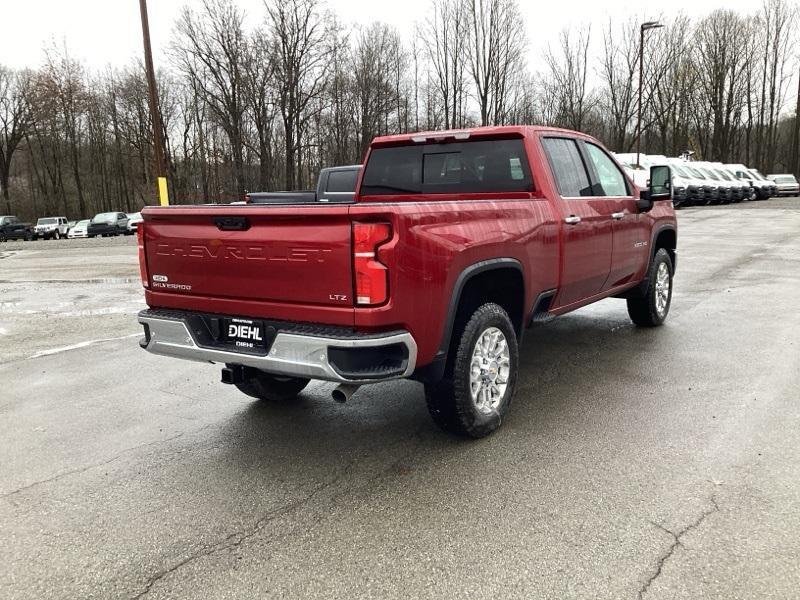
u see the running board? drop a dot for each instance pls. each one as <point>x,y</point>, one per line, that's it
<point>541,309</point>
<point>542,318</point>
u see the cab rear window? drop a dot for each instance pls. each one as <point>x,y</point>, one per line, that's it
<point>460,167</point>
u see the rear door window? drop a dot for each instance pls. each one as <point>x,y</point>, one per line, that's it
<point>462,167</point>
<point>567,166</point>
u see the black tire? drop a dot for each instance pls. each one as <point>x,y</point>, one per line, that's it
<point>29,237</point>
<point>272,388</point>
<point>57,235</point>
<point>646,310</point>
<point>3,237</point>
<point>450,401</point>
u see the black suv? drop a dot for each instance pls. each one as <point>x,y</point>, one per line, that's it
<point>11,228</point>
<point>110,223</point>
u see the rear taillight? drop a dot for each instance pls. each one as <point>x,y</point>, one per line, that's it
<point>371,276</point>
<point>142,259</point>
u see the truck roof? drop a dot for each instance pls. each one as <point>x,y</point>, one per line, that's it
<point>467,133</point>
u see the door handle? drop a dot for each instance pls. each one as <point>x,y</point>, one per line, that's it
<point>572,220</point>
<point>617,216</point>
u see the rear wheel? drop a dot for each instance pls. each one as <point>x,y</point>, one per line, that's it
<point>651,309</point>
<point>272,388</point>
<point>476,393</point>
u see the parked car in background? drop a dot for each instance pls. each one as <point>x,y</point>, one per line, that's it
<point>79,230</point>
<point>723,186</point>
<point>739,190</point>
<point>695,186</point>
<point>70,225</point>
<point>110,223</point>
<point>51,228</point>
<point>773,189</point>
<point>133,221</point>
<point>709,186</point>
<point>786,183</point>
<point>11,228</point>
<point>760,188</point>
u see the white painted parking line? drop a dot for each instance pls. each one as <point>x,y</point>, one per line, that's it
<point>81,345</point>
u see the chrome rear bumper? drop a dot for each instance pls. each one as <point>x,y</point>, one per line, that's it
<point>290,354</point>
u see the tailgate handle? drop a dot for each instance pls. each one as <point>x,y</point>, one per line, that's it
<point>232,223</point>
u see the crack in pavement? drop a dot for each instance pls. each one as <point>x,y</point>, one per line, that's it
<point>88,467</point>
<point>676,542</point>
<point>235,539</point>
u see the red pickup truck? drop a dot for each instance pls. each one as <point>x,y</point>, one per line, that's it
<point>455,243</point>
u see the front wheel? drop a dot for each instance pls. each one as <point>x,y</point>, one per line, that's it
<point>56,235</point>
<point>475,396</point>
<point>651,308</point>
<point>272,388</point>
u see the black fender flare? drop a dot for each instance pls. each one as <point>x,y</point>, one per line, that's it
<point>435,370</point>
<point>658,231</point>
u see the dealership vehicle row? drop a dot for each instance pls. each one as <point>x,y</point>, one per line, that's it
<point>697,183</point>
<point>55,228</point>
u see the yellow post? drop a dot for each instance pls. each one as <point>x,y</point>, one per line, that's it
<point>163,192</point>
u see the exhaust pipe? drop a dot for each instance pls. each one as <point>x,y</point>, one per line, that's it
<point>344,391</point>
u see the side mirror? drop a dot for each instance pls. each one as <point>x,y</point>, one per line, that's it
<point>659,187</point>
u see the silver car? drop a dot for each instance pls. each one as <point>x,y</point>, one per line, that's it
<point>133,221</point>
<point>787,184</point>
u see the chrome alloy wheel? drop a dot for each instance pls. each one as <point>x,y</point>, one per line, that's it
<point>489,370</point>
<point>662,288</point>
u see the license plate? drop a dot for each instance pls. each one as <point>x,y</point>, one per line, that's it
<point>244,333</point>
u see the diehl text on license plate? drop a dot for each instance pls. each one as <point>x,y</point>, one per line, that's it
<point>245,333</point>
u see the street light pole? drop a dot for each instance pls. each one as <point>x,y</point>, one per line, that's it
<point>645,27</point>
<point>159,163</point>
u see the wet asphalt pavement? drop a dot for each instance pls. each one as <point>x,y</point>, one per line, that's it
<point>634,463</point>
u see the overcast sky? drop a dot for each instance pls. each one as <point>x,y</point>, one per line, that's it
<point>108,32</point>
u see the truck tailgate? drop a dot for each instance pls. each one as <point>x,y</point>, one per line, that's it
<point>258,254</point>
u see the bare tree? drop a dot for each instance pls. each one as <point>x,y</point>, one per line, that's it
<point>374,65</point>
<point>444,34</point>
<point>568,72</point>
<point>15,120</point>
<point>260,74</point>
<point>495,53</point>
<point>299,56</point>
<point>720,60</point>
<point>618,72</point>
<point>212,51</point>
